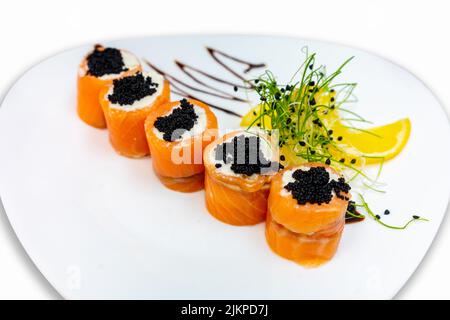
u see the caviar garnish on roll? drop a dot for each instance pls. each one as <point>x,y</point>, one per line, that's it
<point>306,213</point>
<point>109,61</point>
<point>182,119</point>
<point>126,104</point>
<point>177,133</point>
<point>239,168</point>
<point>244,155</point>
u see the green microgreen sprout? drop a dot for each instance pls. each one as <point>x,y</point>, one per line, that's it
<point>377,218</point>
<point>301,112</point>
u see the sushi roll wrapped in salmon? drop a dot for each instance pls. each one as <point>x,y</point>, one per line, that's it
<point>306,213</point>
<point>177,133</point>
<point>126,103</point>
<point>239,168</point>
<point>98,69</point>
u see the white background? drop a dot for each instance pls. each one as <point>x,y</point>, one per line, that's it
<point>411,33</point>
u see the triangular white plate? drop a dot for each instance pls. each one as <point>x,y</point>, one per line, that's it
<point>99,225</point>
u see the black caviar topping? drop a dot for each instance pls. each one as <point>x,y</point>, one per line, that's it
<point>245,156</point>
<point>133,88</point>
<point>314,186</point>
<point>182,119</point>
<point>105,61</point>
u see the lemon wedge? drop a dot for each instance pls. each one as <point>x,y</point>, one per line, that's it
<point>374,144</point>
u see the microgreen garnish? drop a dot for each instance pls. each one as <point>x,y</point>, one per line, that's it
<point>377,217</point>
<point>303,111</point>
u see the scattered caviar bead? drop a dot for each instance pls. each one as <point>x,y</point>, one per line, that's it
<point>328,162</point>
<point>339,138</point>
<point>302,143</point>
<point>416,217</point>
<point>258,124</point>
<point>353,161</point>
<point>256,81</point>
<point>311,67</point>
<point>332,90</point>
<point>386,212</point>
<point>282,90</point>
<point>277,96</point>
<point>342,160</point>
<point>332,99</point>
<point>263,99</point>
<point>235,88</point>
<point>332,107</point>
<point>311,83</point>
<point>378,217</point>
<point>218,165</point>
<point>312,101</point>
<point>288,120</point>
<point>282,158</point>
<point>330,131</point>
<point>313,152</point>
<point>254,113</point>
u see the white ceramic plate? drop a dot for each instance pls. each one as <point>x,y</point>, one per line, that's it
<point>99,225</point>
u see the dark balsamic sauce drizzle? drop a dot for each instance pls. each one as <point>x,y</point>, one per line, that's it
<point>184,67</point>
<point>213,91</point>
<point>349,220</point>
<point>250,66</point>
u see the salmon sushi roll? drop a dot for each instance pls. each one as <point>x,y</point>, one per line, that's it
<point>126,103</point>
<point>306,213</point>
<point>177,133</point>
<point>239,168</point>
<point>98,69</point>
